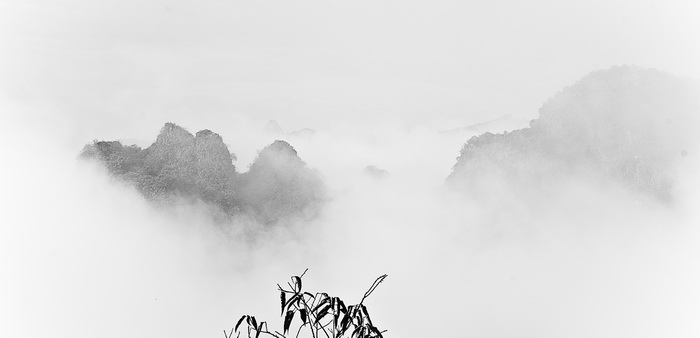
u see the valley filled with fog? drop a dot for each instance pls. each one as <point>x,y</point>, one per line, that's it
<point>516,169</point>
<point>577,258</point>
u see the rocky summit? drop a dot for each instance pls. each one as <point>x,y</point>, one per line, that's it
<point>200,167</point>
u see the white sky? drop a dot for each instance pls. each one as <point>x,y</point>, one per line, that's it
<point>80,254</point>
<point>112,69</point>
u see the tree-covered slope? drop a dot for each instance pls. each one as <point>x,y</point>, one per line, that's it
<point>626,123</point>
<point>200,167</point>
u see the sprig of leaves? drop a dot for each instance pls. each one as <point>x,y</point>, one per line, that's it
<point>319,313</point>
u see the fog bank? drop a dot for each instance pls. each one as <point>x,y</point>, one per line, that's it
<point>85,255</point>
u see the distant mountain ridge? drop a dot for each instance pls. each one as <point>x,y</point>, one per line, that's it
<point>273,127</point>
<point>200,167</point>
<point>503,123</point>
<point>630,124</point>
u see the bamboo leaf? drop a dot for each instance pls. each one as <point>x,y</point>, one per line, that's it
<point>357,332</point>
<point>336,313</point>
<point>344,324</point>
<point>297,283</point>
<point>322,296</point>
<point>239,322</point>
<point>374,286</point>
<point>292,300</point>
<point>342,306</point>
<point>283,301</point>
<point>302,312</point>
<point>366,314</point>
<point>324,301</point>
<point>288,320</point>
<point>322,313</point>
<point>257,331</point>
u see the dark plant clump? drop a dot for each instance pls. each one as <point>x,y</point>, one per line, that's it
<point>321,314</point>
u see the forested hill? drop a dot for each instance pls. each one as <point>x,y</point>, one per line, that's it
<point>200,167</point>
<point>625,123</point>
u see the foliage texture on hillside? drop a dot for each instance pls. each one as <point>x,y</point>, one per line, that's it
<point>627,124</point>
<point>200,167</point>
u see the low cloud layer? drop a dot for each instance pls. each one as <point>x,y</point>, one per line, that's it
<point>84,254</point>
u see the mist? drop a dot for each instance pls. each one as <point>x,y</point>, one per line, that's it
<point>85,254</point>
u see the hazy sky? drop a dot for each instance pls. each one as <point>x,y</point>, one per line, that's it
<point>82,255</point>
<point>121,68</point>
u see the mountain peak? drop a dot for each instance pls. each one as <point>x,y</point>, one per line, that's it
<point>200,167</point>
<point>206,133</point>
<point>626,123</point>
<point>172,133</point>
<point>273,127</point>
<point>280,146</point>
